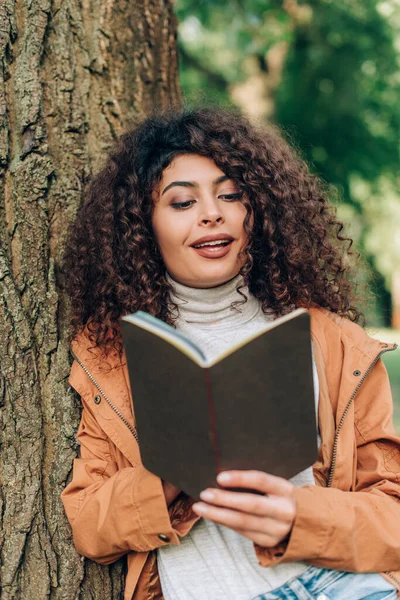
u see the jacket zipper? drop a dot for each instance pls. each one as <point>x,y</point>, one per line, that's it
<point>111,404</point>
<point>335,444</point>
<point>393,578</point>
<point>346,410</point>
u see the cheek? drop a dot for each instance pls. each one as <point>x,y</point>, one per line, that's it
<point>160,231</point>
<point>168,234</point>
<point>239,217</point>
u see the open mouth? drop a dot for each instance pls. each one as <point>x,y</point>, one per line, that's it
<point>216,243</point>
<point>213,248</point>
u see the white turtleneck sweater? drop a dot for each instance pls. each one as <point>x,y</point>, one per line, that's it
<point>214,562</point>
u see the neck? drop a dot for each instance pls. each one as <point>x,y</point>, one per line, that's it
<point>212,307</point>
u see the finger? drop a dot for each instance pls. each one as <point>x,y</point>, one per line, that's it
<point>275,507</point>
<point>242,522</point>
<point>256,480</point>
<point>261,539</point>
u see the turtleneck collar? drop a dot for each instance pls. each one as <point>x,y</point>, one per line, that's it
<point>211,307</point>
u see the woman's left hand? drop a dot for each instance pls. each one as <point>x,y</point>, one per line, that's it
<point>265,519</point>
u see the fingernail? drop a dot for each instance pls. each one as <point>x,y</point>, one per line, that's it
<point>207,495</point>
<point>223,478</point>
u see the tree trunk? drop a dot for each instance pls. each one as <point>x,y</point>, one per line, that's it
<point>73,76</point>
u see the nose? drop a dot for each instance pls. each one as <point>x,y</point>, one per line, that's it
<point>210,212</point>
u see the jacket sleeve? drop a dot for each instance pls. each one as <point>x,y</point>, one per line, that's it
<point>113,512</point>
<point>358,530</point>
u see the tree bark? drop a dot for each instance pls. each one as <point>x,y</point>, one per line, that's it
<point>74,74</point>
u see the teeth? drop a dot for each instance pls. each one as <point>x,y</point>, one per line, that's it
<point>215,243</point>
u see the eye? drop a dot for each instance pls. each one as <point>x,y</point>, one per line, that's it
<point>231,197</point>
<point>182,205</point>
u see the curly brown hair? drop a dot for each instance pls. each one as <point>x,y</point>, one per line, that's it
<point>296,254</point>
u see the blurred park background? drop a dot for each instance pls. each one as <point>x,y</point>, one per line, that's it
<point>327,72</point>
<point>73,77</point>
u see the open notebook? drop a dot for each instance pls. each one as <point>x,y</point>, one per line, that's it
<point>250,407</point>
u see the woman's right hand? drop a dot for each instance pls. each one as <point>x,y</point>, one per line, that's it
<point>170,492</point>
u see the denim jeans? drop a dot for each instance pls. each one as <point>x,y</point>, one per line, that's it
<point>324,584</point>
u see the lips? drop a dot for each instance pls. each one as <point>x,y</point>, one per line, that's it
<point>213,252</point>
<point>216,237</point>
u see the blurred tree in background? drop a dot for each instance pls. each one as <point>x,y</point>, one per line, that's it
<point>328,72</point>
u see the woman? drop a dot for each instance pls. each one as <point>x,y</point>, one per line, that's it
<point>215,226</point>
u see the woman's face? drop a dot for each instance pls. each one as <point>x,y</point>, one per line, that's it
<point>196,203</point>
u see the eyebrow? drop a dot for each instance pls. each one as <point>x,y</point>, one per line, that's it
<point>192,184</point>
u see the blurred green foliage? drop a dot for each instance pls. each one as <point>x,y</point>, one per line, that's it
<point>328,72</point>
<point>341,89</point>
<point>391,360</point>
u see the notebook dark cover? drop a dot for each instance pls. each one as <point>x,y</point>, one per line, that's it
<point>253,409</point>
